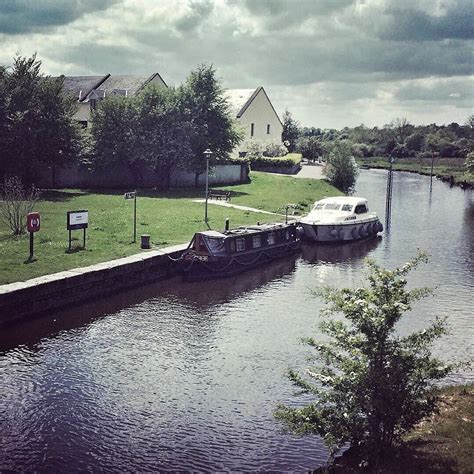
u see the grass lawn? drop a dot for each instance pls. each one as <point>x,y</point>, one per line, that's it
<point>442,166</point>
<point>169,217</point>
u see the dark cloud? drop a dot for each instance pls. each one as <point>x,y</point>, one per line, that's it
<point>412,24</point>
<point>24,16</point>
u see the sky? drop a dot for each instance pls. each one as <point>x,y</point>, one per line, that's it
<point>331,63</point>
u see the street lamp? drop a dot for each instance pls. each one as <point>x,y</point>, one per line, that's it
<point>207,154</point>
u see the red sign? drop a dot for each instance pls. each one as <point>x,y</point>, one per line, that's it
<point>33,222</point>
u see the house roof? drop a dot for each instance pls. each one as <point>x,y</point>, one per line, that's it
<point>240,100</point>
<point>81,86</point>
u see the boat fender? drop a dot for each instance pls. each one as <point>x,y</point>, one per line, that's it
<point>380,226</point>
<point>300,231</point>
<point>362,231</point>
<point>354,233</point>
<point>333,233</point>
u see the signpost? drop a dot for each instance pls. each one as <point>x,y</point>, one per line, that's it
<point>77,220</point>
<point>33,224</point>
<point>133,195</point>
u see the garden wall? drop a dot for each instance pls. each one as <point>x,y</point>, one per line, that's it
<point>117,176</point>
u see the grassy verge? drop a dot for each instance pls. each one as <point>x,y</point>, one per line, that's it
<point>441,444</point>
<point>169,217</point>
<point>443,167</point>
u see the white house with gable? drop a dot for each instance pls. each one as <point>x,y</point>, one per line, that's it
<point>256,116</point>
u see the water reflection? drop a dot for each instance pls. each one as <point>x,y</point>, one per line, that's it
<point>335,253</point>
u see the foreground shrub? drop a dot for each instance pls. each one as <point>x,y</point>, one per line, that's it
<point>371,385</point>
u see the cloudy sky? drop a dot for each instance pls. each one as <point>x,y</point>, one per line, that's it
<point>332,63</point>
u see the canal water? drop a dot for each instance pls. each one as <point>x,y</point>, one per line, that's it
<point>186,376</point>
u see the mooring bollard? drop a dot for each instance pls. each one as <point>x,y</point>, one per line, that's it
<point>145,241</point>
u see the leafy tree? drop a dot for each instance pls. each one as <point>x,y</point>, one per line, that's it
<point>372,385</point>
<point>341,169</point>
<point>37,123</point>
<point>290,131</point>
<point>150,132</point>
<point>212,123</point>
<point>310,147</point>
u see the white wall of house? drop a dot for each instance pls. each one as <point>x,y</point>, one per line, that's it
<point>266,124</point>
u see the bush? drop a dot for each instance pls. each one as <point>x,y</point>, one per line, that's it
<point>274,150</point>
<point>263,162</point>
<point>17,203</point>
<point>373,385</point>
<point>341,169</point>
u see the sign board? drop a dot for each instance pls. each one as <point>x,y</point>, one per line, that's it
<point>77,220</point>
<point>33,222</point>
<point>129,195</point>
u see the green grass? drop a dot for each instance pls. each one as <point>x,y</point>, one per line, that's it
<point>442,167</point>
<point>169,217</point>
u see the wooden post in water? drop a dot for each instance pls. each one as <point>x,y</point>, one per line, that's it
<point>388,199</point>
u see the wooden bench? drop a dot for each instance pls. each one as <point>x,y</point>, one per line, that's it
<point>218,194</point>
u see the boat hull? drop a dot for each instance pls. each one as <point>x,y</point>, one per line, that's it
<point>196,268</point>
<point>341,232</point>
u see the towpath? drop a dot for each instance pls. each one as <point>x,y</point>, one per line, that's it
<point>236,206</point>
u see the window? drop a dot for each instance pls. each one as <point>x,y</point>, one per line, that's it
<point>271,238</point>
<point>240,245</point>
<point>83,123</point>
<point>268,129</point>
<point>256,241</point>
<point>361,209</point>
<point>252,129</point>
<point>346,207</point>
<point>332,206</point>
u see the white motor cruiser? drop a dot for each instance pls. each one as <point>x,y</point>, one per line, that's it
<point>341,218</point>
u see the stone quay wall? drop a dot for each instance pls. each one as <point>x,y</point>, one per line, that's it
<point>21,300</point>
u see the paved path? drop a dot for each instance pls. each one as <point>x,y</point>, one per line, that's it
<point>311,171</point>
<point>236,206</point>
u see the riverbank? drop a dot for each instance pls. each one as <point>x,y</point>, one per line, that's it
<point>443,443</point>
<point>450,170</point>
<point>169,217</point>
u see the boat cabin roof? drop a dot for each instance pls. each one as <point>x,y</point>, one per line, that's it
<point>352,200</point>
<point>243,230</point>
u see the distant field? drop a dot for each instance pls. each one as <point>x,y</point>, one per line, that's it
<point>443,167</point>
<point>169,217</point>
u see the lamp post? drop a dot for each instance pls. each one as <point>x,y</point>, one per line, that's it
<point>207,154</point>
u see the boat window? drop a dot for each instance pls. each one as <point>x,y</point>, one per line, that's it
<point>346,207</point>
<point>232,246</point>
<point>271,238</point>
<point>216,245</point>
<point>332,207</point>
<point>361,209</point>
<point>318,206</point>
<point>256,241</point>
<point>199,244</point>
<point>240,245</point>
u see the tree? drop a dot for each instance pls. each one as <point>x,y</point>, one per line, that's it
<point>151,132</point>
<point>310,147</point>
<point>341,169</point>
<point>373,385</point>
<point>16,203</point>
<point>212,123</point>
<point>290,131</point>
<point>469,163</point>
<point>37,123</point>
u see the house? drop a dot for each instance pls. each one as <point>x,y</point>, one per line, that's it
<point>256,115</point>
<point>89,90</point>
